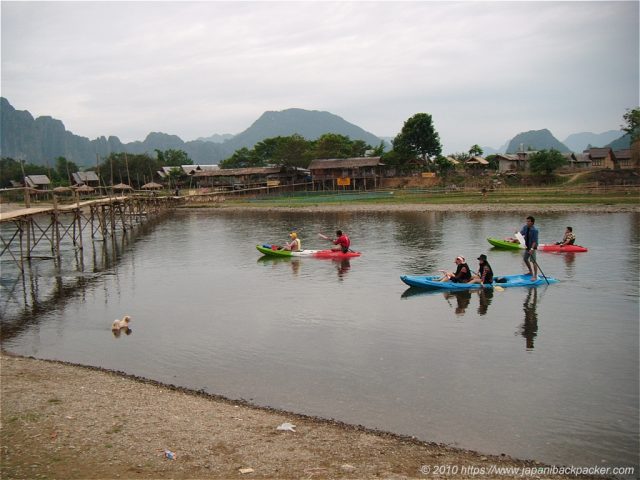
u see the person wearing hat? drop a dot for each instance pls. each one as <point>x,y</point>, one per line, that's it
<point>485,272</point>
<point>294,245</point>
<point>461,275</point>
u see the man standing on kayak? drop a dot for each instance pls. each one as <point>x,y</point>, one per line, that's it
<point>341,242</point>
<point>530,234</point>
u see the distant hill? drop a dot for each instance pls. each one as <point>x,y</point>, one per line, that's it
<point>621,143</point>
<point>216,138</point>
<point>578,142</point>
<point>310,124</point>
<point>536,140</point>
<point>40,141</point>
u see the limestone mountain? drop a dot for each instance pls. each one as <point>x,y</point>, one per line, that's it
<point>310,124</point>
<point>43,139</point>
<point>536,140</point>
<point>578,142</point>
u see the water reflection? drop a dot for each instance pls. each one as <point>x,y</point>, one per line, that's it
<point>462,299</point>
<point>343,267</point>
<point>569,260</point>
<point>277,262</point>
<point>529,329</point>
<point>457,300</point>
<point>49,283</point>
<point>485,296</point>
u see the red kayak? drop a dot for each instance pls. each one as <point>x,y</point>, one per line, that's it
<point>561,248</point>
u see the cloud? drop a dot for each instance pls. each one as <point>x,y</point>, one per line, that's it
<point>484,70</point>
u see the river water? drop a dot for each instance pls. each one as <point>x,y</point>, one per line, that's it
<point>548,373</point>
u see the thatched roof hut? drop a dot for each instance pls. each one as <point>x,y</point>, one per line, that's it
<point>151,186</point>
<point>122,187</point>
<point>85,189</point>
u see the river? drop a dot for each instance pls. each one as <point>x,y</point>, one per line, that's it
<point>549,374</point>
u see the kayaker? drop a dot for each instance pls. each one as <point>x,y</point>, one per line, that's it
<point>530,234</point>
<point>294,245</point>
<point>461,275</point>
<point>485,272</point>
<point>569,238</point>
<point>341,241</point>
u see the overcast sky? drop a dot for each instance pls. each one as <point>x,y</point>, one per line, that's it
<point>485,71</point>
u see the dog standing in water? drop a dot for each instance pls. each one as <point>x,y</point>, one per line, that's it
<point>120,324</point>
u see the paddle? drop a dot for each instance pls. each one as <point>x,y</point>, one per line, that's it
<point>538,265</point>
<point>327,238</point>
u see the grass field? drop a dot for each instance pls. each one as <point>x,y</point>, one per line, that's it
<point>530,195</point>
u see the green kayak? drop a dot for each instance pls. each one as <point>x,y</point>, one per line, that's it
<point>504,244</point>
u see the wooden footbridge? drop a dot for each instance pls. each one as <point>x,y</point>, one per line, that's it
<point>25,230</point>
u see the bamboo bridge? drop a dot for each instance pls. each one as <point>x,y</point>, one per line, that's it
<point>25,230</point>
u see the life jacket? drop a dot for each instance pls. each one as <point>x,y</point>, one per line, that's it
<point>462,277</point>
<point>488,276</point>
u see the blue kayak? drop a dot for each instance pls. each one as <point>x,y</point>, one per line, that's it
<point>504,281</point>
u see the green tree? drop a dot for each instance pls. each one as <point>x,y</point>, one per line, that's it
<point>241,158</point>
<point>293,151</point>
<point>546,161</point>
<point>133,169</point>
<point>418,137</point>
<point>475,150</point>
<point>632,123</point>
<point>444,166</point>
<point>65,169</point>
<point>333,145</point>
<point>173,158</point>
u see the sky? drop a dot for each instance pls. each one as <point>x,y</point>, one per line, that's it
<point>484,71</point>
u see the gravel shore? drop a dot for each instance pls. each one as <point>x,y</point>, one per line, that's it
<point>73,422</point>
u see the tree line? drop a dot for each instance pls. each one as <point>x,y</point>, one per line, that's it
<point>132,169</point>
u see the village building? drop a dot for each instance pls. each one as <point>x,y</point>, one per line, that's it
<point>251,177</point>
<point>512,162</point>
<point>37,182</point>
<point>89,178</point>
<point>600,157</point>
<point>346,173</point>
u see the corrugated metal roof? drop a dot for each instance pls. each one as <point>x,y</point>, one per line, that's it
<point>329,163</point>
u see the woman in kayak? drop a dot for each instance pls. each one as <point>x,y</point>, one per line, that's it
<point>461,275</point>
<point>294,245</point>
<point>485,272</point>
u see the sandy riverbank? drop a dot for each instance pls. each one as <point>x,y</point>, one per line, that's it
<point>73,422</point>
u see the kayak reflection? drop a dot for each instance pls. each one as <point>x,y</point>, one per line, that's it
<point>279,261</point>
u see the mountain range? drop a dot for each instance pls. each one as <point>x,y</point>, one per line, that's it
<point>41,140</point>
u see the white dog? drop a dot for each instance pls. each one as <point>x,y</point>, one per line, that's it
<point>118,324</point>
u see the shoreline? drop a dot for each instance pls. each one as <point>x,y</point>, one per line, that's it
<point>62,420</point>
<point>420,207</point>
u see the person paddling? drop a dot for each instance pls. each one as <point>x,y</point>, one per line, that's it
<point>461,275</point>
<point>341,242</point>
<point>530,234</point>
<point>485,272</point>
